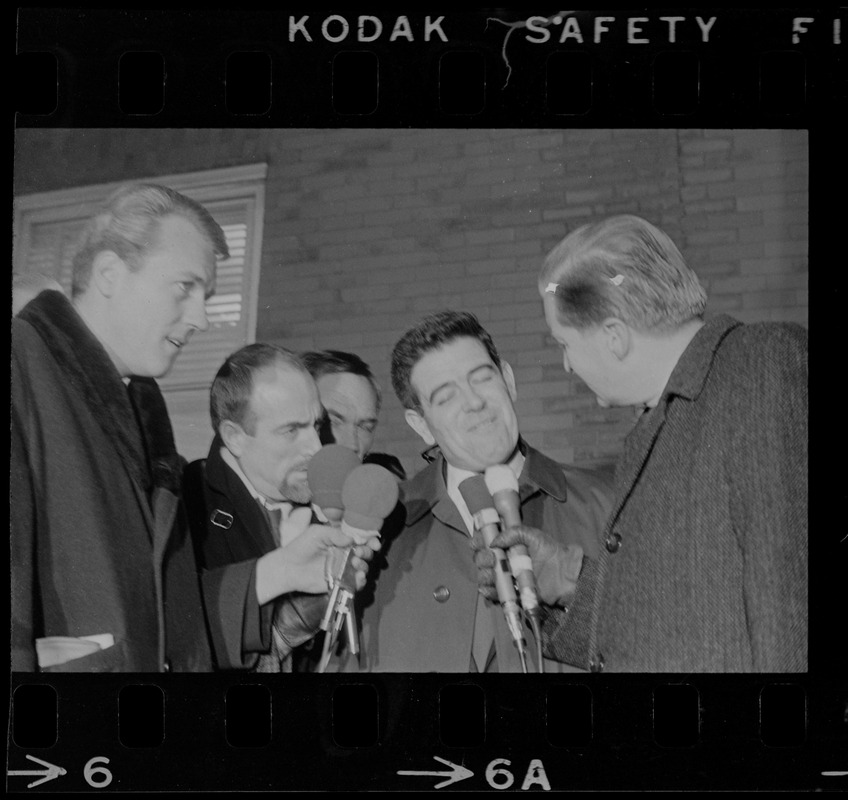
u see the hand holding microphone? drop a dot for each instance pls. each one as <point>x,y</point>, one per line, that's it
<point>556,566</point>
<point>356,498</point>
<point>369,495</point>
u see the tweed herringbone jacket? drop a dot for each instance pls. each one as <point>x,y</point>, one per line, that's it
<point>705,566</point>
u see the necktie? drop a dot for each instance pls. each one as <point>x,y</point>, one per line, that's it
<point>484,634</point>
<point>274,517</point>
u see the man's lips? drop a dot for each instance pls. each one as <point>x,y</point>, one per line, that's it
<point>483,423</point>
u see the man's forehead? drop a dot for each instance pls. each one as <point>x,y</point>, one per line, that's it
<point>456,356</point>
<point>273,380</point>
<point>184,237</point>
<point>347,388</point>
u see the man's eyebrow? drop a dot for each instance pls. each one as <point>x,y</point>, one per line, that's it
<point>292,424</point>
<point>207,283</point>
<point>483,366</point>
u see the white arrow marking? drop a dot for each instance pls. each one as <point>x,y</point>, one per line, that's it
<point>834,774</point>
<point>49,774</point>
<point>457,773</point>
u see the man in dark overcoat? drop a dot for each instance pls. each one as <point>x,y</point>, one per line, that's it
<point>249,501</point>
<point>427,614</point>
<point>103,572</point>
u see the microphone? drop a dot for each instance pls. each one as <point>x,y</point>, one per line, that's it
<point>326,474</point>
<point>502,483</point>
<point>480,505</point>
<point>368,496</point>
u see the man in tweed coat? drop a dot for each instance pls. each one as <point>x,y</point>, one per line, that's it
<point>704,565</point>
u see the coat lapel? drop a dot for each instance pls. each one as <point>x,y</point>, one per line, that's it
<point>94,377</point>
<point>686,381</point>
<point>250,531</point>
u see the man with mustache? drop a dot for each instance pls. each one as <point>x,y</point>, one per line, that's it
<point>427,614</point>
<point>250,497</point>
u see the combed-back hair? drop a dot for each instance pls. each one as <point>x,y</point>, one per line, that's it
<point>431,333</point>
<point>128,222</point>
<point>622,267</point>
<point>229,398</point>
<point>337,362</point>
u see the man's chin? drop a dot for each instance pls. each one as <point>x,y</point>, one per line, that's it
<point>297,494</point>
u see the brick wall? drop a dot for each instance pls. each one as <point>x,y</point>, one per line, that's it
<point>366,231</point>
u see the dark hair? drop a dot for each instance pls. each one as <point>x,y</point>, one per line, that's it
<point>336,362</point>
<point>229,397</point>
<point>431,333</point>
<point>621,267</point>
<point>127,225</point>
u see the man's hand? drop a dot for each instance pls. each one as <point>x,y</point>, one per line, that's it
<point>555,566</point>
<point>300,566</point>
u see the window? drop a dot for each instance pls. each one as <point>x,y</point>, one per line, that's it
<point>47,226</point>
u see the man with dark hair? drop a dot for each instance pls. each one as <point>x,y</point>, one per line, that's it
<point>103,575</point>
<point>704,567</point>
<point>249,501</point>
<point>351,397</point>
<point>427,614</point>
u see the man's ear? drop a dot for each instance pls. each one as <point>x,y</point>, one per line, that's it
<point>509,379</point>
<point>419,425</point>
<point>233,436</point>
<point>618,337</point>
<point>107,269</point>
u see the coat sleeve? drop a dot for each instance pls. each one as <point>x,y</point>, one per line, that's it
<point>767,471</point>
<point>23,537</point>
<point>567,632</point>
<point>240,629</point>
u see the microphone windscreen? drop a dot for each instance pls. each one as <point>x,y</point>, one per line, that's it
<point>500,477</point>
<point>326,474</point>
<point>369,495</point>
<point>475,494</point>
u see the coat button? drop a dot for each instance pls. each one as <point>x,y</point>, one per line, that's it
<point>613,543</point>
<point>597,663</point>
<point>441,593</point>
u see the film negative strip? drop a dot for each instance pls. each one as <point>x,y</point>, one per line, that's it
<point>369,168</point>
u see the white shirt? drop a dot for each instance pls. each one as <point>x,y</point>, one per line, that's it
<point>284,506</point>
<point>455,476</point>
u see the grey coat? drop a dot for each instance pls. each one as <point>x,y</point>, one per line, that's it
<point>705,563</point>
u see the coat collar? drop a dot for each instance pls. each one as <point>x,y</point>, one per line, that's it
<point>219,475</point>
<point>691,371</point>
<point>686,381</point>
<point>139,427</point>
<point>426,491</point>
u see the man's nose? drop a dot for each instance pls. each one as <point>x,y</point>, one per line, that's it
<point>196,313</point>
<point>354,438</point>
<point>472,399</point>
<point>313,442</point>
